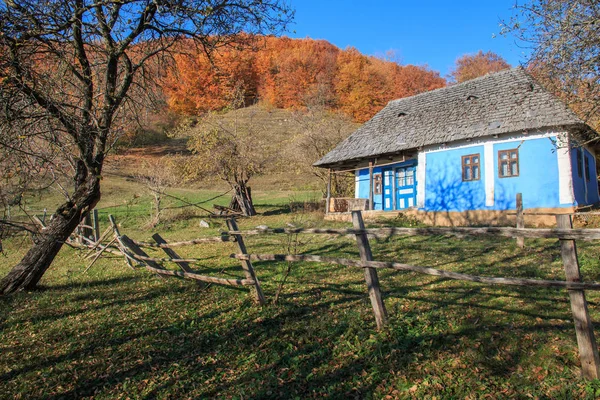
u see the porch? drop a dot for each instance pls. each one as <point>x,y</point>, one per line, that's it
<point>389,184</point>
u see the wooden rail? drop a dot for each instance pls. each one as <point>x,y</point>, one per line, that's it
<point>588,349</point>
<point>132,250</point>
<point>540,283</point>
<point>564,232</point>
<point>384,233</point>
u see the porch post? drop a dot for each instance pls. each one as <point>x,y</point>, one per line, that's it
<point>371,206</point>
<point>328,201</point>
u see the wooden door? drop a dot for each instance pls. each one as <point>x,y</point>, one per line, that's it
<point>406,187</point>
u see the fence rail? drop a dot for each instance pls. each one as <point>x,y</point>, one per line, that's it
<point>348,262</point>
<point>590,361</point>
<point>384,233</point>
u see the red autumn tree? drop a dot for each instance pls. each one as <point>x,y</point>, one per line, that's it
<point>470,66</point>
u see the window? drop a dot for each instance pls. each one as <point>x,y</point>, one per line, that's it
<point>377,186</point>
<point>587,168</point>
<point>405,177</point>
<point>579,162</point>
<point>508,163</point>
<point>470,167</point>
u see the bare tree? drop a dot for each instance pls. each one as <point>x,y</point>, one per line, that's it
<point>233,147</point>
<point>68,69</point>
<point>156,175</point>
<point>319,132</point>
<point>564,38</point>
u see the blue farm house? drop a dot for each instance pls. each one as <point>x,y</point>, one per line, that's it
<point>460,154</point>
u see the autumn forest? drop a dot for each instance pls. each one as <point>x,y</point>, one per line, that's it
<point>293,73</point>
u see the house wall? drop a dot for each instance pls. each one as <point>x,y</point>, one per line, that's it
<point>547,175</point>
<point>362,187</point>
<point>444,187</point>
<point>538,178</point>
<point>585,190</point>
<point>362,181</point>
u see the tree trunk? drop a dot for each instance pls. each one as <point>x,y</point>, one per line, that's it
<point>242,200</point>
<point>27,273</point>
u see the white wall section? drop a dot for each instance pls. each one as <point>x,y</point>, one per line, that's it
<point>490,173</point>
<point>421,169</point>
<point>565,175</point>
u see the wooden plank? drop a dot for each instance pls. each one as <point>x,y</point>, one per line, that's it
<point>202,278</point>
<point>98,242</point>
<point>87,229</point>
<point>384,233</point>
<point>247,264</point>
<point>223,238</point>
<point>328,201</point>
<point>371,277</point>
<point>371,206</point>
<point>99,254</point>
<point>96,224</point>
<point>520,220</point>
<point>184,265</point>
<point>533,283</point>
<point>135,249</point>
<point>171,253</point>
<point>117,235</point>
<point>588,349</point>
<point>160,271</point>
<point>130,246</point>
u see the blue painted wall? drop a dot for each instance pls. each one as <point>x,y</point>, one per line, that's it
<point>444,187</point>
<point>363,182</point>
<point>538,176</point>
<point>363,187</point>
<point>537,180</point>
<point>578,181</point>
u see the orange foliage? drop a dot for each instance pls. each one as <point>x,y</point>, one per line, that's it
<point>470,66</point>
<point>295,73</point>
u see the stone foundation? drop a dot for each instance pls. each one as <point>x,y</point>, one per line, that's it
<point>535,217</point>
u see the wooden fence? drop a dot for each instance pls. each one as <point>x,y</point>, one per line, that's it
<point>590,361</point>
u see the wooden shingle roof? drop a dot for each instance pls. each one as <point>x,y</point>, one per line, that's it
<point>506,101</point>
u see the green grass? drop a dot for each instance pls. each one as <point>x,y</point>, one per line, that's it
<point>119,333</point>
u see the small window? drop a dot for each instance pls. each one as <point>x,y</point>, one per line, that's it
<point>587,169</point>
<point>470,167</point>
<point>508,163</point>
<point>579,162</point>
<point>377,184</point>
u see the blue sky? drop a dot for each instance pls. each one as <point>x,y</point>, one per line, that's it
<point>433,32</point>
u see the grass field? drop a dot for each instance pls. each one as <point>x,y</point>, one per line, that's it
<point>119,333</point>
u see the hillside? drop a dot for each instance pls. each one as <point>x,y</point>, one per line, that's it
<point>296,140</point>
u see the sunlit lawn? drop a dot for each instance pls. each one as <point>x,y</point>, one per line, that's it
<point>119,333</point>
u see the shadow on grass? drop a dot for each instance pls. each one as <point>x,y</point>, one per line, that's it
<point>320,341</point>
<point>288,351</point>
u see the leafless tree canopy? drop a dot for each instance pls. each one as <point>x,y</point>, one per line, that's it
<point>564,37</point>
<point>73,72</point>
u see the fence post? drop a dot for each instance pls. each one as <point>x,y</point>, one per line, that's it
<point>371,278</point>
<point>588,350</point>
<point>247,264</point>
<point>520,220</point>
<point>371,205</point>
<point>96,225</point>
<point>117,235</point>
<point>87,230</point>
<point>328,200</point>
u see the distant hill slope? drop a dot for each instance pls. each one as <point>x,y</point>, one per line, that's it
<point>298,138</point>
<point>293,73</point>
